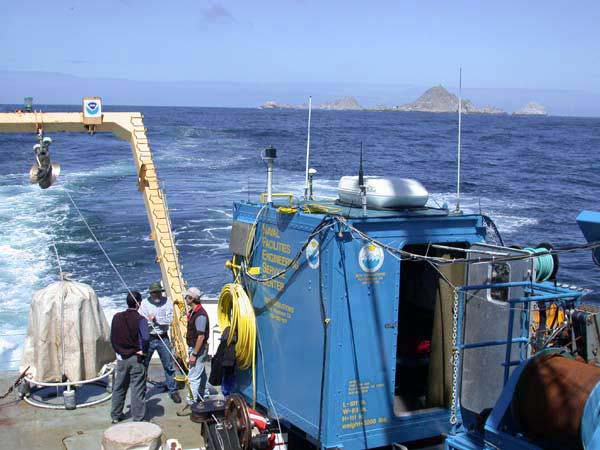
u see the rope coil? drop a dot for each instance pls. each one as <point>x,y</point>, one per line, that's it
<point>543,264</point>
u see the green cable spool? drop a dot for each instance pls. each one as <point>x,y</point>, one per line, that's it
<point>543,264</point>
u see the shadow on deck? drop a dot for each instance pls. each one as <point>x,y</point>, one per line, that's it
<point>27,427</point>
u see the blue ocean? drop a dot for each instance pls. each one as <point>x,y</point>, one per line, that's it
<point>532,175</point>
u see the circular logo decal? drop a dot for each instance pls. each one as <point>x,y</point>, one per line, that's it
<point>92,108</point>
<point>370,258</point>
<point>312,254</point>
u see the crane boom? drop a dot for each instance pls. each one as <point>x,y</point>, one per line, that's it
<point>128,126</point>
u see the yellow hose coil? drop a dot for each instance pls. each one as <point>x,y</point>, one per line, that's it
<point>287,210</point>
<point>316,208</point>
<point>235,309</point>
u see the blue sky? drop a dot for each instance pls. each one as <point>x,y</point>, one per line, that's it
<point>501,45</point>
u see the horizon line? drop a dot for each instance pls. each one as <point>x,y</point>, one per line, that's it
<point>280,83</point>
<point>362,110</point>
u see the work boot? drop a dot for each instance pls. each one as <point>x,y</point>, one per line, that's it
<point>118,419</point>
<point>175,397</point>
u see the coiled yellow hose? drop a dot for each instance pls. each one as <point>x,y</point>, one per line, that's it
<point>235,310</point>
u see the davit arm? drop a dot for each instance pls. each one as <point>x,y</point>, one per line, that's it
<point>129,127</point>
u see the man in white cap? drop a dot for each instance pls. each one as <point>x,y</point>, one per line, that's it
<point>159,312</point>
<point>197,336</point>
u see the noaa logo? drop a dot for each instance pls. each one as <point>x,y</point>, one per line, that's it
<point>92,108</point>
<point>370,258</point>
<point>312,254</point>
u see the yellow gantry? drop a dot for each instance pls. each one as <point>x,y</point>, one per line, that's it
<point>128,126</point>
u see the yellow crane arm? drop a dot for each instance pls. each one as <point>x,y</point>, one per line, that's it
<point>128,126</point>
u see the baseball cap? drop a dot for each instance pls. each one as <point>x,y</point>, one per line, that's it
<point>194,292</point>
<point>155,287</point>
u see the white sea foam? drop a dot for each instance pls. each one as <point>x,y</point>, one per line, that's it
<point>111,305</point>
<point>209,245</point>
<point>220,211</point>
<point>211,229</point>
<point>29,217</point>
<point>11,349</point>
<point>508,216</point>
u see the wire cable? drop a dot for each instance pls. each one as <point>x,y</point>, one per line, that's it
<point>121,278</point>
<point>325,223</point>
<point>442,261</point>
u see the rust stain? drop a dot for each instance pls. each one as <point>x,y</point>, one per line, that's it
<point>6,422</point>
<point>550,398</point>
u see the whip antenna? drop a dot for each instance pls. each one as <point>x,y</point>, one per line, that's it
<point>306,187</point>
<point>361,183</point>
<point>459,133</point>
<point>361,175</point>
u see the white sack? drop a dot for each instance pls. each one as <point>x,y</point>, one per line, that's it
<point>86,334</point>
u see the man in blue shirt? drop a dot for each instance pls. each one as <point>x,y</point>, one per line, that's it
<point>129,338</point>
<point>158,310</point>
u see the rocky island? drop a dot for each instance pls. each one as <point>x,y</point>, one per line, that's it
<point>531,109</point>
<point>346,103</point>
<point>436,100</point>
<point>439,100</point>
<point>271,104</point>
<point>342,104</point>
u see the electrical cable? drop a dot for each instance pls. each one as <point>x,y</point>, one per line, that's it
<point>320,227</point>
<point>235,310</point>
<point>267,392</point>
<point>442,261</point>
<point>330,220</point>
<point>325,320</point>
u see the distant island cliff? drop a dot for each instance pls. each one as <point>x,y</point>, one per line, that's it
<point>531,109</point>
<point>437,99</point>
<point>434,100</point>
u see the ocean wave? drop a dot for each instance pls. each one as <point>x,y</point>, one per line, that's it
<point>30,218</point>
<point>226,213</point>
<point>508,215</point>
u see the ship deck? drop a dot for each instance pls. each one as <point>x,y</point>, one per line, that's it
<point>28,427</point>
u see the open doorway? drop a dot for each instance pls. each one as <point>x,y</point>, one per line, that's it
<point>423,369</point>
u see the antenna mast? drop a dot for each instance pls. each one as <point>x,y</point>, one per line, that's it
<point>306,187</point>
<point>459,133</point>
<point>361,183</point>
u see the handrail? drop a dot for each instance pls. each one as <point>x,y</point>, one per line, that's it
<point>287,195</point>
<point>540,292</point>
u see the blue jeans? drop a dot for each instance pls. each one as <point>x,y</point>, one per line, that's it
<point>165,359</point>
<point>197,376</point>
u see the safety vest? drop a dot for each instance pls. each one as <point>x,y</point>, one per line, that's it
<point>192,334</point>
